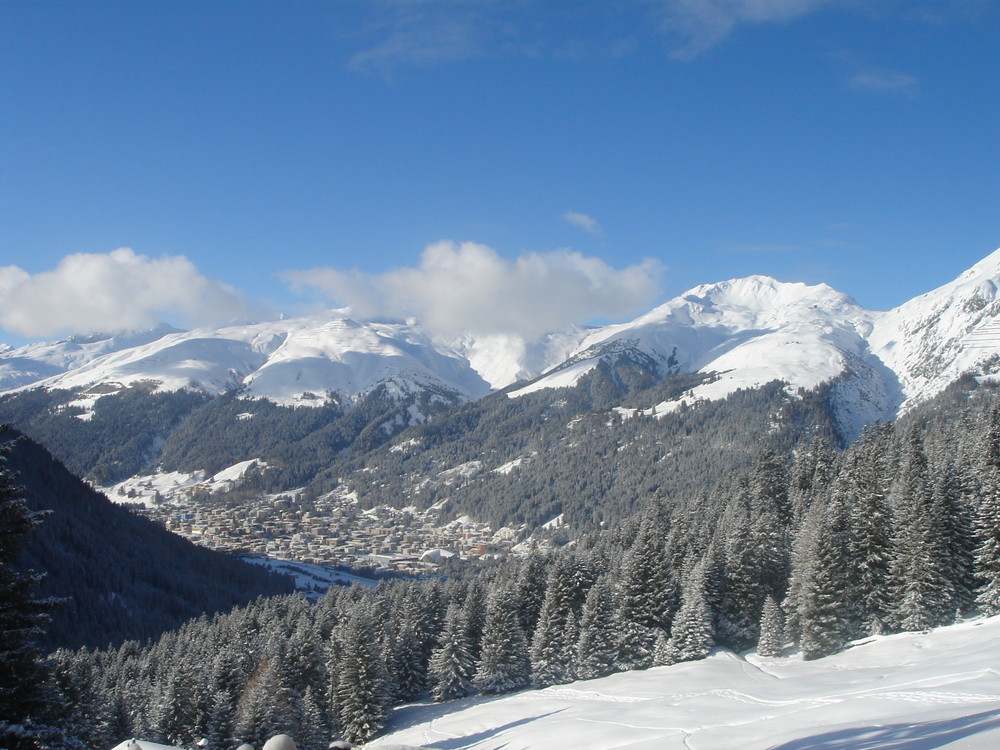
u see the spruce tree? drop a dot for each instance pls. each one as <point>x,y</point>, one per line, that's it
<point>922,590</point>
<point>27,700</point>
<point>692,635</point>
<point>362,701</point>
<point>504,664</point>
<point>987,555</point>
<point>772,629</point>
<point>597,647</point>
<point>451,666</point>
<point>821,611</point>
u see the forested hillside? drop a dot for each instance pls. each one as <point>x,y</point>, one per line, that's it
<point>525,460</point>
<point>119,576</point>
<point>816,546</point>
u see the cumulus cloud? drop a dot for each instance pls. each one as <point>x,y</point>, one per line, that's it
<point>466,286</point>
<point>584,222</point>
<point>113,291</point>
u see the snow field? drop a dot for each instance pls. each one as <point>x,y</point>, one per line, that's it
<point>911,691</point>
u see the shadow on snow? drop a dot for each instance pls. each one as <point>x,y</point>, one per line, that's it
<point>924,736</point>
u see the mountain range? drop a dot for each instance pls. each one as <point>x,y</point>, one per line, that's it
<point>747,332</point>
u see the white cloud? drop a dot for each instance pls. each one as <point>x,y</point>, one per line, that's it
<point>113,291</point>
<point>883,81</point>
<point>701,24</point>
<point>466,286</point>
<point>584,222</point>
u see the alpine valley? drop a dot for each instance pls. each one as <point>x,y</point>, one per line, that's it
<point>755,510</point>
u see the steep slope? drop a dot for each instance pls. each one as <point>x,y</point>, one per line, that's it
<point>123,577</point>
<point>934,338</point>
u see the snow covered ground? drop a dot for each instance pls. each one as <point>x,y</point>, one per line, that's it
<point>912,691</point>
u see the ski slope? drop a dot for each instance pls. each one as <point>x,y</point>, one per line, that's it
<point>912,691</point>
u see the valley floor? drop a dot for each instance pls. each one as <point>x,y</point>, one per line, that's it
<point>912,691</point>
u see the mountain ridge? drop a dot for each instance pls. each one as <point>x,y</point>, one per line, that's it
<point>749,331</point>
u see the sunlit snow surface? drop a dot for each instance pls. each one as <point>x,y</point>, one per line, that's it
<point>912,691</point>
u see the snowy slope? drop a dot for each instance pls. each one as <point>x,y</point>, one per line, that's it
<point>932,339</point>
<point>34,362</point>
<point>912,691</point>
<point>295,361</point>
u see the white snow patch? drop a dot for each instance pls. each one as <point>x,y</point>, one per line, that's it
<point>508,467</point>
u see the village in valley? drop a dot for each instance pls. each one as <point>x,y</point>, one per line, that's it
<point>331,530</point>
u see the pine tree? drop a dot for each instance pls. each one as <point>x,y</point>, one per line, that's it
<point>864,483</point>
<point>361,690</point>
<point>922,591</point>
<point>597,647</point>
<point>692,635</point>
<point>554,642</point>
<point>988,551</point>
<point>988,517</point>
<point>451,666</point>
<point>314,733</point>
<point>504,664</point>
<point>648,595</point>
<point>772,629</point>
<point>26,697</point>
<point>821,610</point>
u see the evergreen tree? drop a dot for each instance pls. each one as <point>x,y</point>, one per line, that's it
<point>361,690</point>
<point>821,610</point>
<point>451,665</point>
<point>692,635</point>
<point>648,595</point>
<point>864,483</point>
<point>26,697</point>
<point>988,517</point>
<point>772,629</point>
<point>597,647</point>
<point>504,664</point>
<point>314,733</point>
<point>922,590</point>
<point>553,644</point>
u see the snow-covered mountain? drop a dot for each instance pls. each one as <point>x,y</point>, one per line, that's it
<point>749,331</point>
<point>297,361</point>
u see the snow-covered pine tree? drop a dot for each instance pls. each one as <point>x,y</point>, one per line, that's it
<point>597,647</point>
<point>362,701</point>
<point>772,629</point>
<point>988,517</point>
<point>648,595</point>
<point>864,482</point>
<point>821,610</point>
<point>503,664</point>
<point>741,593</point>
<point>553,644</point>
<point>451,665</point>
<point>922,591</point>
<point>692,635</point>
<point>314,732</point>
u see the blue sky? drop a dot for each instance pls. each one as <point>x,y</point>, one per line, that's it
<point>265,156</point>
